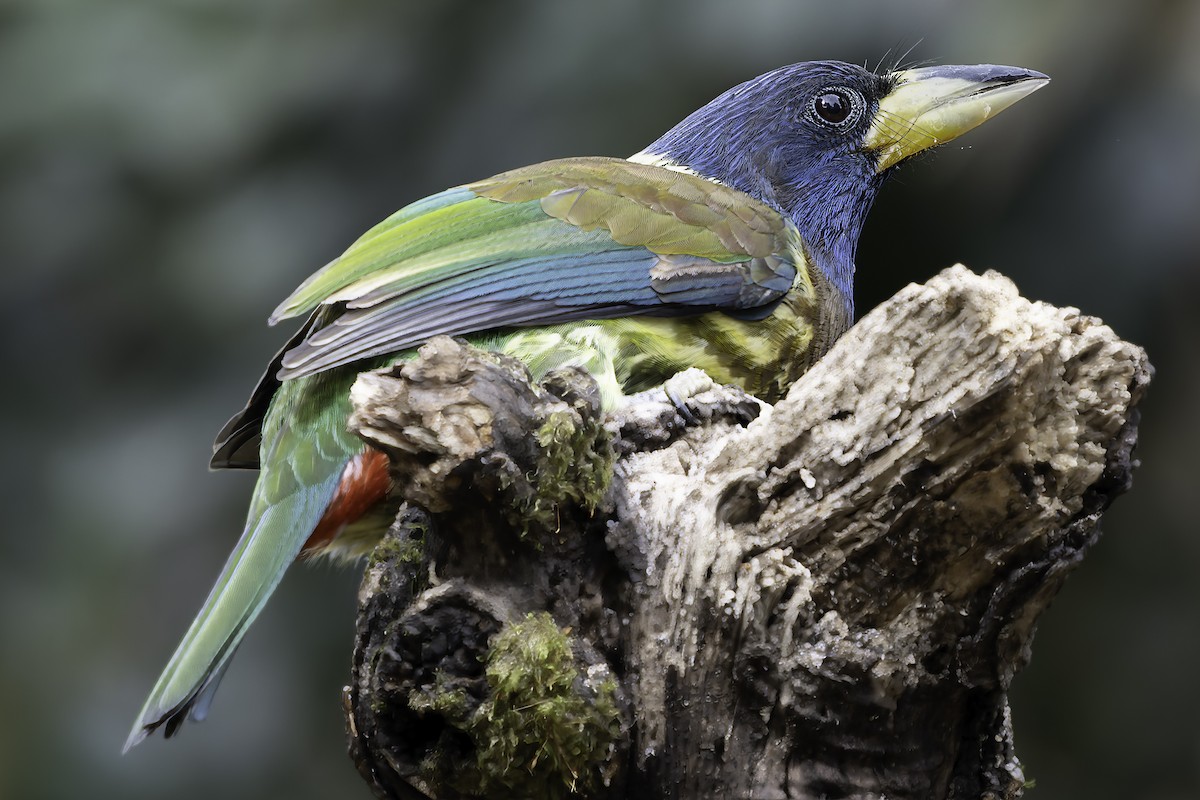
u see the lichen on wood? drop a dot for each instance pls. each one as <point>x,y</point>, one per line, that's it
<point>831,600</point>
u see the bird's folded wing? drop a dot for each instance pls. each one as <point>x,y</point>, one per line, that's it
<point>575,239</point>
<point>565,240</point>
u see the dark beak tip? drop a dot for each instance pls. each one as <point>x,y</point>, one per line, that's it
<point>994,74</point>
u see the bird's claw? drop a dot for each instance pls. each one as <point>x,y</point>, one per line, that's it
<point>656,417</point>
<point>682,388</point>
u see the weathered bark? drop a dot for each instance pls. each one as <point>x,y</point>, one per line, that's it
<point>828,602</point>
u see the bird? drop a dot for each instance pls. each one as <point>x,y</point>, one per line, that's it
<point>727,244</point>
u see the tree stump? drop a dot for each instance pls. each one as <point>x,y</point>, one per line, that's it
<point>829,601</point>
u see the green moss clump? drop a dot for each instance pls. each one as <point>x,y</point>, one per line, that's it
<point>575,466</point>
<point>408,550</point>
<point>405,545</point>
<point>401,552</point>
<point>535,736</point>
<point>442,699</point>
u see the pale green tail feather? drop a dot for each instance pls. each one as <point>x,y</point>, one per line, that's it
<point>269,545</point>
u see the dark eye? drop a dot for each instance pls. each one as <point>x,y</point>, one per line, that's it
<point>837,107</point>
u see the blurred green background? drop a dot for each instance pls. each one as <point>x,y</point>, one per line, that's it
<point>169,171</point>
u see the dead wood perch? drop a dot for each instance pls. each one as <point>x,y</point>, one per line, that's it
<point>828,602</point>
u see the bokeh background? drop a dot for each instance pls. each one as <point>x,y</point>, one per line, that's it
<point>169,171</point>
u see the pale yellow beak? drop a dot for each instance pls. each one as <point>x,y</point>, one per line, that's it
<point>932,105</point>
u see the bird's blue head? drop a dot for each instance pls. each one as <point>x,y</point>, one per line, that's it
<point>816,140</point>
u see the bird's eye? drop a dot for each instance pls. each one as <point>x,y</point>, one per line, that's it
<point>837,107</point>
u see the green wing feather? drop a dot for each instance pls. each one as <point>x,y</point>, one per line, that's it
<point>575,239</point>
<point>666,211</point>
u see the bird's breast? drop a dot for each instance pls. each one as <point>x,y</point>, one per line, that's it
<point>631,354</point>
<point>763,356</point>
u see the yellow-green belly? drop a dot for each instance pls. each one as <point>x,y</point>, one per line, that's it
<point>631,354</point>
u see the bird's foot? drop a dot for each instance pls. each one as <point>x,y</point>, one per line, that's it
<point>656,417</point>
<point>682,387</point>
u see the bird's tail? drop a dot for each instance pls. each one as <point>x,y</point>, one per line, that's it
<point>275,532</point>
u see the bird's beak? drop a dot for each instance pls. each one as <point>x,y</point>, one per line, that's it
<point>932,105</point>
